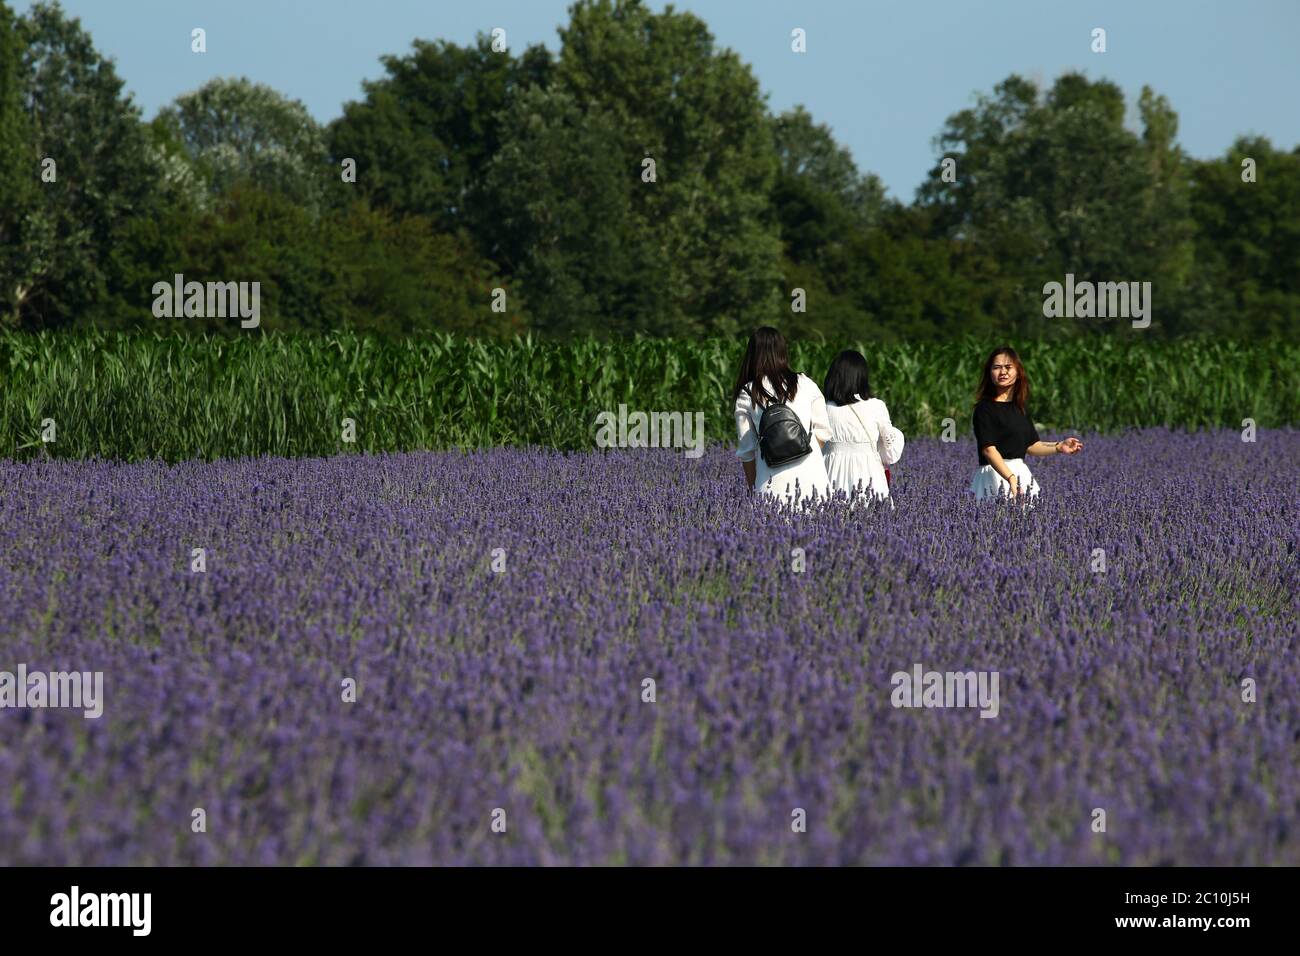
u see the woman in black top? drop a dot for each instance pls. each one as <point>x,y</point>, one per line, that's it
<point>1004,434</point>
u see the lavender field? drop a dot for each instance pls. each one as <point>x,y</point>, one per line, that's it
<point>512,680</point>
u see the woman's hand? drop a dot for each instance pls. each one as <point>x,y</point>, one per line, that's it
<point>1069,446</point>
<point>1013,485</point>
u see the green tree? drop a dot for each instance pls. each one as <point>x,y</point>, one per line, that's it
<point>424,135</point>
<point>150,248</point>
<point>560,186</point>
<point>697,111</point>
<point>355,267</point>
<point>1248,239</point>
<point>918,285</point>
<point>77,116</point>
<point>18,173</point>
<point>234,129</point>
<point>399,276</point>
<point>1055,185</point>
<point>824,207</point>
<point>819,174</point>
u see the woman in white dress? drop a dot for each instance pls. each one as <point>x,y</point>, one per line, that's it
<point>864,442</point>
<point>765,378</point>
<point>1004,432</point>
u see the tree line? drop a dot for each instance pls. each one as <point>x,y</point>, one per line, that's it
<point>633,182</point>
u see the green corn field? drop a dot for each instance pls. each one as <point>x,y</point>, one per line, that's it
<point>132,396</point>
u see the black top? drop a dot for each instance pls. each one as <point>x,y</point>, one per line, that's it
<point>1004,425</point>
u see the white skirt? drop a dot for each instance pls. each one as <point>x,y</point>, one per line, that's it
<point>779,482</point>
<point>854,466</point>
<point>987,483</point>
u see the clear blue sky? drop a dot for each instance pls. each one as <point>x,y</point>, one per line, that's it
<point>884,74</point>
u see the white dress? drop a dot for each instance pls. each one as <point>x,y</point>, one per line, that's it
<point>863,443</point>
<point>809,471</point>
<point>987,483</point>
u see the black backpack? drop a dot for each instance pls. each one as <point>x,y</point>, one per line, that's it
<point>781,435</point>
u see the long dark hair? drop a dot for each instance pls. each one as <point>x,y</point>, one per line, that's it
<point>766,357</point>
<point>1019,391</point>
<point>847,377</point>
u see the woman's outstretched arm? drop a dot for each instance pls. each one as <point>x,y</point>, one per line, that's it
<point>1066,446</point>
